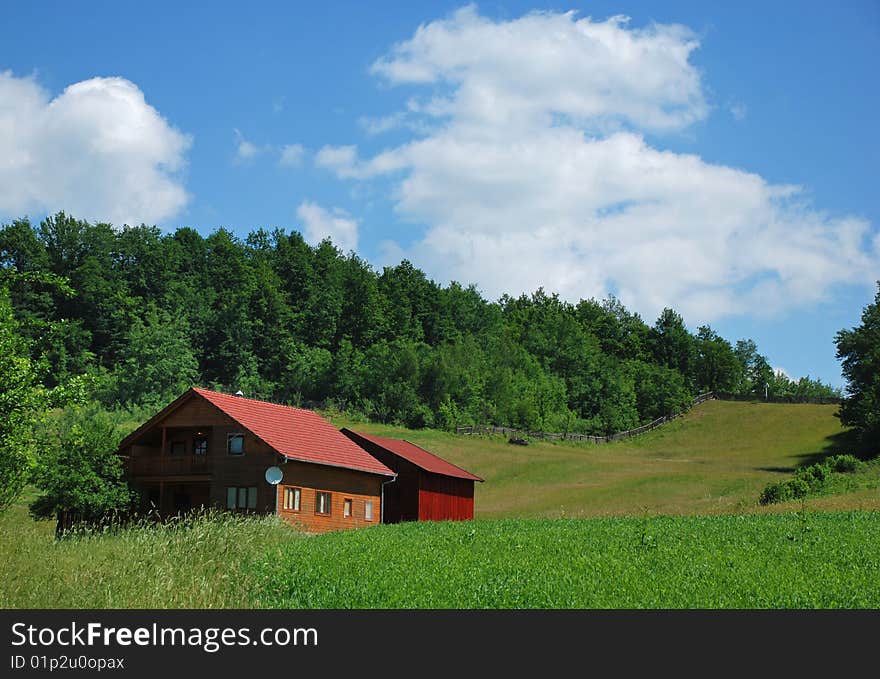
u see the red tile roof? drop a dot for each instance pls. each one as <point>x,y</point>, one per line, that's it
<point>419,457</point>
<point>295,433</point>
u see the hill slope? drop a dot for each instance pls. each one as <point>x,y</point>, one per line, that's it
<point>714,460</point>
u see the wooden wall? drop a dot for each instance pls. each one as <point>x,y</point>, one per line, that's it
<point>341,484</point>
<point>445,498</point>
<point>401,496</point>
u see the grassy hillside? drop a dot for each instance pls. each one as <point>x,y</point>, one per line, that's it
<point>714,460</point>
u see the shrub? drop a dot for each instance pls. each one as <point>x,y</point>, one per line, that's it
<point>799,487</point>
<point>776,492</point>
<point>813,476</point>
<point>844,464</point>
<point>810,479</point>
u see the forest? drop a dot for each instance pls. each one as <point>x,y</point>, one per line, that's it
<point>138,315</point>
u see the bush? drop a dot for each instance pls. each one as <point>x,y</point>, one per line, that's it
<point>799,488</point>
<point>810,479</point>
<point>776,492</point>
<point>844,464</point>
<point>813,476</point>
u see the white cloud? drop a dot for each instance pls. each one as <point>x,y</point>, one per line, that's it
<point>98,150</point>
<point>527,70</point>
<point>336,225</point>
<point>378,125</point>
<point>245,150</point>
<point>536,172</point>
<point>292,155</point>
<point>340,159</point>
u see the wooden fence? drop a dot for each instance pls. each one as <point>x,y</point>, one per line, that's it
<point>720,395</point>
<point>829,400</point>
<point>567,436</point>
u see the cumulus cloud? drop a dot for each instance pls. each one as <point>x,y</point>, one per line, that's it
<point>335,224</point>
<point>546,64</point>
<point>97,150</point>
<point>536,171</point>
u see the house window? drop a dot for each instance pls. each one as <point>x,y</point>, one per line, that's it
<point>292,498</point>
<point>241,497</point>
<point>200,446</point>
<point>178,447</point>
<point>346,508</point>
<point>322,503</point>
<point>235,444</point>
<point>368,510</point>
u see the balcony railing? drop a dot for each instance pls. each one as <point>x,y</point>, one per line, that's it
<point>170,465</point>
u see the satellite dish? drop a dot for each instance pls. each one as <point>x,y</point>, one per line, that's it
<point>239,393</point>
<point>274,475</point>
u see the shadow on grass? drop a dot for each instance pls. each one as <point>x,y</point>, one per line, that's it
<point>845,442</point>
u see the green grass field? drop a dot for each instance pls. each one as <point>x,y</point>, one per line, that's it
<point>811,560</point>
<point>670,519</point>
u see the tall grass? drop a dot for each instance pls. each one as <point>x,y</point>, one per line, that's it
<point>798,560</point>
<point>203,561</point>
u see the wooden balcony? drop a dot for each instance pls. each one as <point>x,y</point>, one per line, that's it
<point>169,465</point>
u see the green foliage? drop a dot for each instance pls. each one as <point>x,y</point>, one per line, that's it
<point>148,314</point>
<point>23,398</point>
<point>716,367</point>
<point>660,391</point>
<point>156,362</point>
<point>78,472</point>
<point>844,464</point>
<point>859,351</point>
<point>812,479</point>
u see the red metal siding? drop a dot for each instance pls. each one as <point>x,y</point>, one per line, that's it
<point>444,498</point>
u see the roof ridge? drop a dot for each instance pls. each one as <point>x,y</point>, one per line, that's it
<point>442,459</point>
<point>254,400</point>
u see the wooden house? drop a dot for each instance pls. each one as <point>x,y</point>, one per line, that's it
<point>427,488</point>
<point>212,449</point>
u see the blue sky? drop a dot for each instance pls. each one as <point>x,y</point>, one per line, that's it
<point>715,157</point>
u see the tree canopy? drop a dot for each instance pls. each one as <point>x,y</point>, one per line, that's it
<point>859,351</point>
<point>153,312</point>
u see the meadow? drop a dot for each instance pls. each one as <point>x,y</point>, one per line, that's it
<point>716,459</point>
<point>667,520</point>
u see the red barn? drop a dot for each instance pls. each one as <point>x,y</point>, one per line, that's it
<point>427,488</point>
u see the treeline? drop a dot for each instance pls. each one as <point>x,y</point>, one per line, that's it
<point>148,314</point>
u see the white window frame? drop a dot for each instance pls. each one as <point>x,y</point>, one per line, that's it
<point>347,506</point>
<point>368,510</point>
